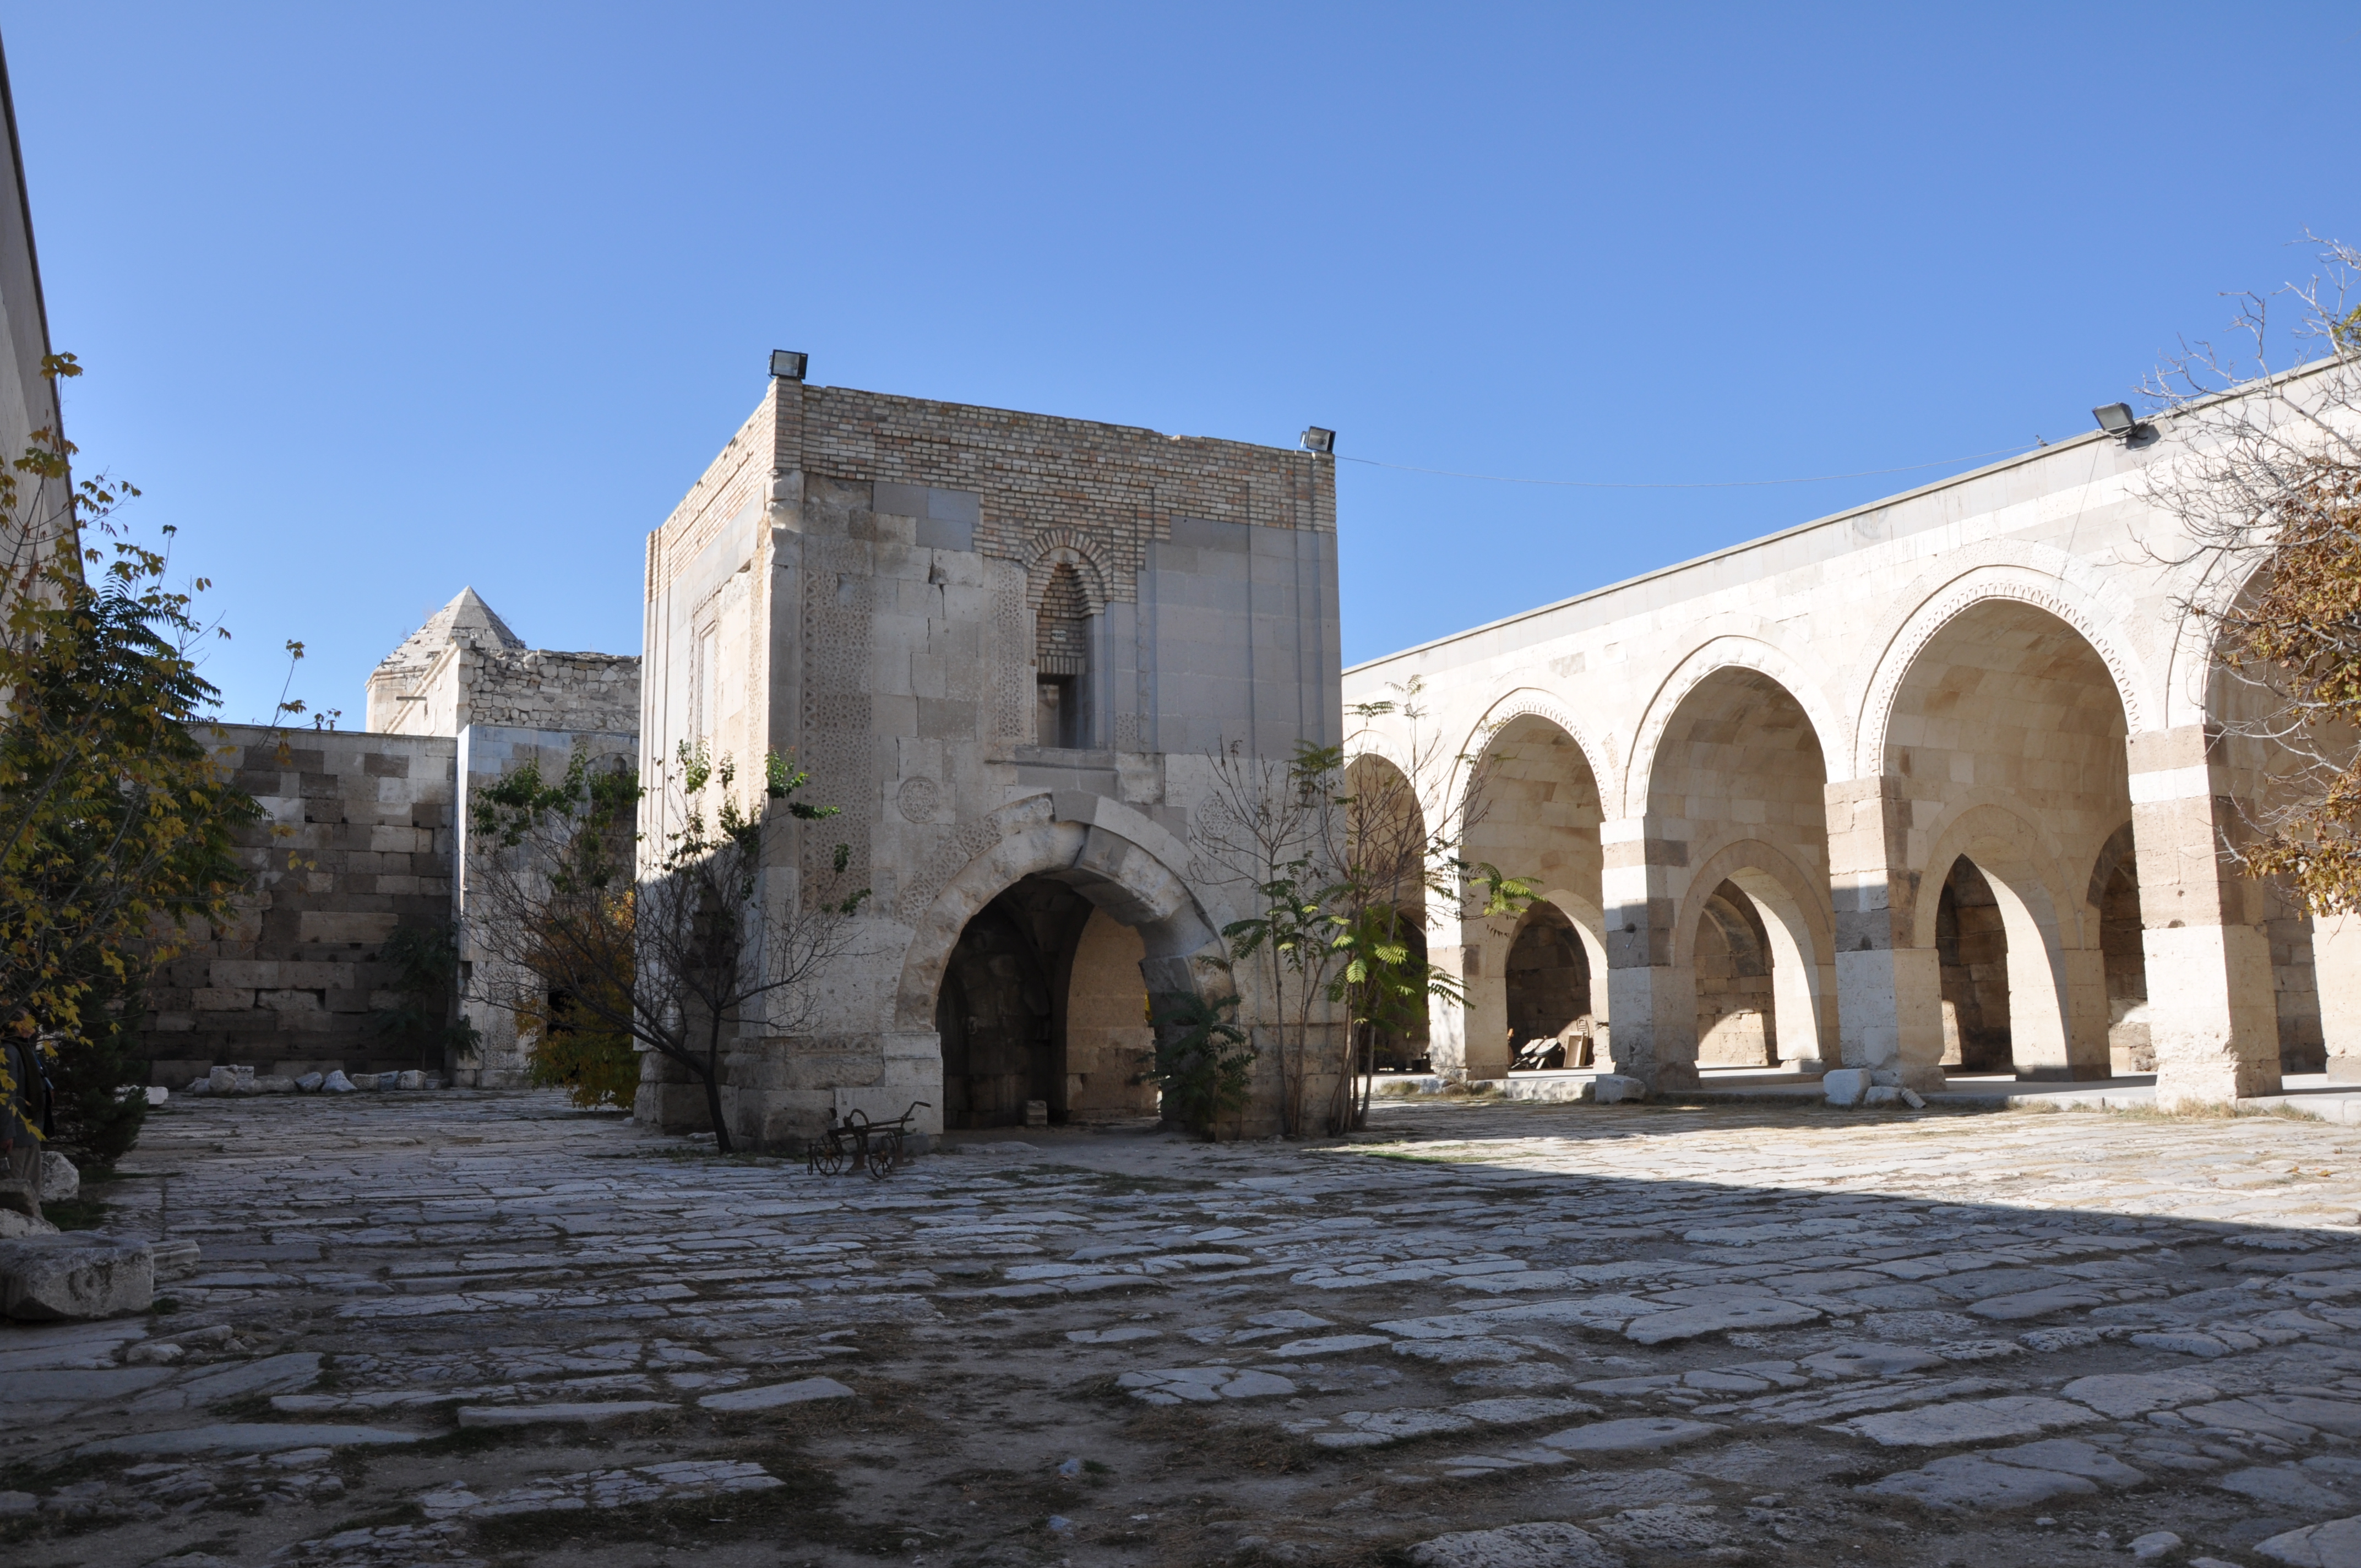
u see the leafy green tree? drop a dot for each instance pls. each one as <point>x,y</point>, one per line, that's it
<point>1204,1063</point>
<point>116,825</point>
<point>1342,851</point>
<point>97,1122</point>
<point>425,963</point>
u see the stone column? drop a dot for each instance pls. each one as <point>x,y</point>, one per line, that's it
<point>1484,1021</point>
<point>1889,986</point>
<point>2212,1015</point>
<point>2336,965</point>
<point>1651,1000</point>
<point>1446,1022</point>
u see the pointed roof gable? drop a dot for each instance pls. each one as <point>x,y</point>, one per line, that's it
<point>467,618</point>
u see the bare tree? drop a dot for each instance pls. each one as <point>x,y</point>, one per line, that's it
<point>683,957</point>
<point>1269,825</point>
<point>2266,490</point>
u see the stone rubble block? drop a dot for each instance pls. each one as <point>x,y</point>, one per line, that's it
<point>338,1083</point>
<point>482,1415</point>
<point>1631,1434</point>
<point>1518,1546</point>
<point>2336,1544</point>
<point>1846,1085</point>
<point>2022,1476</point>
<point>2125,1394</point>
<point>248,1437</point>
<point>60,1180</point>
<point>603,1489</point>
<point>1972,1421</point>
<point>772,1395</point>
<point>1331,1344</point>
<point>1869,1360</point>
<point>270,1375</point>
<point>176,1258</point>
<point>1684,1528</point>
<point>13,1225</point>
<point>1616,1089</point>
<point>1203,1385</point>
<point>2286,1488</point>
<point>1717,1317</point>
<point>80,1274</point>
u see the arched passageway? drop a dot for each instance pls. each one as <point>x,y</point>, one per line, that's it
<point>1973,941</point>
<point>1742,973</point>
<point>1548,987</point>
<point>1386,835</point>
<point>2006,746</point>
<point>1042,1000</point>
<point>1534,811</point>
<point>1737,1018</point>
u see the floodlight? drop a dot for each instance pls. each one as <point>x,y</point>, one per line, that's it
<point>787,365</point>
<point>2118,421</point>
<point>1323,442</point>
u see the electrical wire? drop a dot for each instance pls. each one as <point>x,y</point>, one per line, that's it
<point>1693,484</point>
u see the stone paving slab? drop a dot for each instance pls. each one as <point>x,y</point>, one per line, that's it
<point>1479,1333</point>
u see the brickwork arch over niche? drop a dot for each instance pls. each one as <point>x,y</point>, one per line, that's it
<point>1056,547</point>
<point>1774,666</point>
<point>1959,598</point>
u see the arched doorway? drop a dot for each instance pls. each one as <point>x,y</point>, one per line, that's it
<point>1144,935</point>
<point>1534,811</point>
<point>1971,939</point>
<point>1728,938</point>
<point>1042,1001</point>
<point>1548,984</point>
<point>2007,742</point>
<point>1737,1009</point>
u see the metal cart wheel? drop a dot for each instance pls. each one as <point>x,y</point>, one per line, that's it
<point>884,1155</point>
<point>828,1159</point>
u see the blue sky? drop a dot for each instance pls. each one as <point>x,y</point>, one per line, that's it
<point>377,303</point>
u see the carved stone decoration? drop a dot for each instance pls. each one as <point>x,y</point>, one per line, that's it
<point>1013,656</point>
<point>917,799</point>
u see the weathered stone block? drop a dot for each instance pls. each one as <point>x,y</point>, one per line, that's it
<point>1846,1085</point>
<point>83,1274</point>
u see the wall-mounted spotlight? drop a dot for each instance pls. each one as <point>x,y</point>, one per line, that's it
<point>2118,421</point>
<point>1323,442</point>
<point>787,365</point>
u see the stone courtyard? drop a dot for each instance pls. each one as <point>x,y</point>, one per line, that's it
<point>446,1328</point>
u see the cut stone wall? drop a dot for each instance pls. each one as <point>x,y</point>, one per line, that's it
<point>356,842</point>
